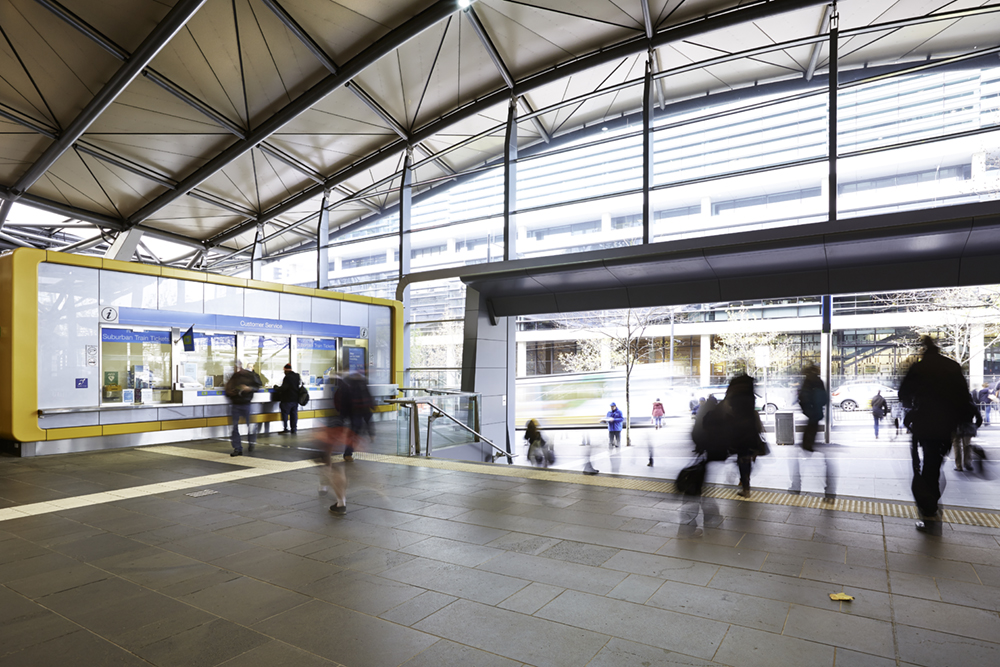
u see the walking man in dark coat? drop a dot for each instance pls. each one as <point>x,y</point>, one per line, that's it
<point>288,400</point>
<point>935,391</point>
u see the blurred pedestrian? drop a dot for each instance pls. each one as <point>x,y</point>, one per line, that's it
<point>985,400</point>
<point>240,390</point>
<point>539,452</point>
<point>935,391</point>
<point>743,428</point>
<point>813,399</point>
<point>615,420</point>
<point>349,429</point>
<point>962,441</point>
<point>658,413</point>
<point>879,409</point>
<point>693,404</point>
<point>288,400</point>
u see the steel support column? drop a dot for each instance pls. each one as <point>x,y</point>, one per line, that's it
<point>257,256</point>
<point>156,40</point>
<point>124,246</point>
<point>510,183</point>
<point>405,205</point>
<point>832,116</point>
<point>323,246</point>
<point>647,150</point>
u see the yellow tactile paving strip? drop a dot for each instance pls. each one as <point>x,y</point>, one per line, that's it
<point>257,467</point>
<point>969,518</point>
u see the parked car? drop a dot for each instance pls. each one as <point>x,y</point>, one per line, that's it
<point>776,399</point>
<point>858,395</point>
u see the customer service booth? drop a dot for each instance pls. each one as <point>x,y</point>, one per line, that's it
<point>98,354</point>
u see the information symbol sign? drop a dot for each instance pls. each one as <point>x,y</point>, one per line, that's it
<point>109,314</point>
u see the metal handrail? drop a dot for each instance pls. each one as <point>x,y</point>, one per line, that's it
<point>436,411</point>
<point>499,451</point>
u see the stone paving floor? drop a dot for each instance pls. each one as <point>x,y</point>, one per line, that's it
<point>434,567</point>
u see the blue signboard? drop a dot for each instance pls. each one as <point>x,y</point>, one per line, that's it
<point>81,383</point>
<point>356,359</point>
<point>168,318</point>
<point>316,344</point>
<point>128,336</point>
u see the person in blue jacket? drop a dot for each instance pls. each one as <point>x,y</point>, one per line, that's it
<point>615,419</point>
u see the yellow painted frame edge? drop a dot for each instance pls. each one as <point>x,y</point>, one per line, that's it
<point>19,346</point>
<point>125,429</point>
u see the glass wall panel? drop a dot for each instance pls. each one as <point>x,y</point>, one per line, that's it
<point>364,261</point>
<point>135,359</point>
<point>735,138</point>
<point>605,223</point>
<point>296,269</point>
<point>210,364</point>
<point>779,198</point>
<point>606,166</point>
<point>457,245</point>
<point>917,107</point>
<point>315,360</point>
<point>940,173</point>
<point>477,196</point>
<point>267,356</point>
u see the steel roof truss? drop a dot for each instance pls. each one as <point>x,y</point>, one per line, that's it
<point>156,40</point>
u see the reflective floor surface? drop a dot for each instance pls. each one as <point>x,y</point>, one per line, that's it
<point>181,555</point>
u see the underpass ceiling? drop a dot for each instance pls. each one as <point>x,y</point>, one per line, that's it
<point>237,119</point>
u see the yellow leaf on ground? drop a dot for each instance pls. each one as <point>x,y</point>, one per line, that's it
<point>841,596</point>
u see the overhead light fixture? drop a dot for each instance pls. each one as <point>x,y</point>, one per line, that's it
<point>464,4</point>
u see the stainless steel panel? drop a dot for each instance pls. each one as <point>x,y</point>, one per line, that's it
<point>128,416</point>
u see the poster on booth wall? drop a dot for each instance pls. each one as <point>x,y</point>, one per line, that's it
<point>128,396</point>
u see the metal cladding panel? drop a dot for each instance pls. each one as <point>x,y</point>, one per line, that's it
<point>686,266</point>
<point>982,270</point>
<point>776,285</point>
<point>675,293</point>
<point>571,302</point>
<point>767,260</point>
<point>947,239</point>
<point>574,277</point>
<point>985,236</point>
<point>527,304</point>
<point>897,276</point>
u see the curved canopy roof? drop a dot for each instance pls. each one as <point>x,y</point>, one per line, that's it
<point>201,121</point>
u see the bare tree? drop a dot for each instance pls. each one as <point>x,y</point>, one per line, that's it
<point>745,351</point>
<point>962,314</point>
<point>624,331</point>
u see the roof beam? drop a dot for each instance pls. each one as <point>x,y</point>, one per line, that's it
<point>491,49</point>
<point>164,31</point>
<point>154,76</point>
<point>381,47</point>
<point>5,211</point>
<point>327,62</point>
<point>814,57</point>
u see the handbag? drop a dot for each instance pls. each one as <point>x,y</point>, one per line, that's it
<point>691,478</point>
<point>303,395</point>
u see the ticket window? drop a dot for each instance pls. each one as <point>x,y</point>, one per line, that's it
<point>210,364</point>
<point>315,360</point>
<point>267,356</point>
<point>134,360</point>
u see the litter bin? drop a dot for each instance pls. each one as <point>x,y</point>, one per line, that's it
<point>784,428</point>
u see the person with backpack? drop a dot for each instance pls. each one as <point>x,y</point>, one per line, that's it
<point>879,409</point>
<point>935,391</point>
<point>240,389</point>
<point>288,400</point>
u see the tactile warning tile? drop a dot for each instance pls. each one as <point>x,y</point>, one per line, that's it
<point>964,517</point>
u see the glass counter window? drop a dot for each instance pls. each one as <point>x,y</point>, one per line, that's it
<point>315,360</point>
<point>210,364</point>
<point>267,356</point>
<point>135,360</point>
